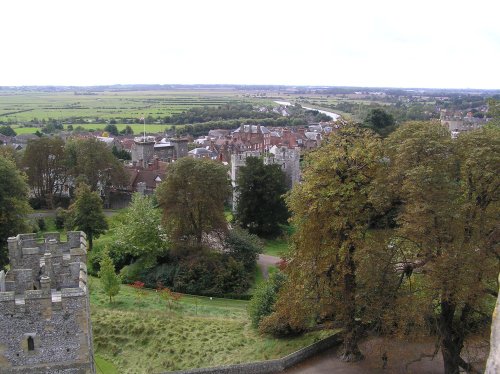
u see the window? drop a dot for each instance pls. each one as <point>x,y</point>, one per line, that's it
<point>31,343</point>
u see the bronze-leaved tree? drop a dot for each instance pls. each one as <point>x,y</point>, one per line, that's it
<point>331,213</point>
<point>446,234</point>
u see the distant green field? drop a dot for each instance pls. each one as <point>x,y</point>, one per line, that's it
<point>21,107</point>
<point>138,129</point>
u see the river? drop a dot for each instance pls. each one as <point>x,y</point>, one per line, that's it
<point>332,115</point>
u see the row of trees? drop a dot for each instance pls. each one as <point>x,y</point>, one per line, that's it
<point>397,236</point>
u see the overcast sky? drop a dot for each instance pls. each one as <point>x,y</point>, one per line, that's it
<point>404,43</point>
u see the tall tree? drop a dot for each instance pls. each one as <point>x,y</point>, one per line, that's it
<point>447,231</point>
<point>13,204</point>
<point>45,163</point>
<point>260,207</point>
<point>87,215</point>
<point>91,160</point>
<point>192,198</point>
<point>331,213</point>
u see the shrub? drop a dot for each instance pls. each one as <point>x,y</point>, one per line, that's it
<point>41,224</point>
<point>244,247</point>
<point>60,218</point>
<point>262,303</point>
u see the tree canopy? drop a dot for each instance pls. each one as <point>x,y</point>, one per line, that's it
<point>7,131</point>
<point>87,215</point>
<point>192,198</point>
<point>429,269</point>
<point>380,121</point>
<point>46,166</point>
<point>447,227</point>
<point>141,234</point>
<point>331,213</point>
<point>13,204</point>
<point>260,206</point>
<point>93,162</point>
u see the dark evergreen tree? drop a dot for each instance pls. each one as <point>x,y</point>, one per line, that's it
<point>260,206</point>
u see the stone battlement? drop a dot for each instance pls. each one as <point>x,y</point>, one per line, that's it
<point>44,306</point>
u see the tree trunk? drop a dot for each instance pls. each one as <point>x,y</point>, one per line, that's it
<point>451,342</point>
<point>89,240</point>
<point>350,351</point>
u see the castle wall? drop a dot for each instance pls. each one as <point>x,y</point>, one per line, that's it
<point>45,311</point>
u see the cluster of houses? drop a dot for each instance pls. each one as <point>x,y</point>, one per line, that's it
<point>151,155</point>
<point>456,122</point>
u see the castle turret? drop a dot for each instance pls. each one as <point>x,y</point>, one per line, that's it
<point>44,307</point>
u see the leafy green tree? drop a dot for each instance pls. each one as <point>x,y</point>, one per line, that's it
<point>260,207</point>
<point>141,233</point>
<point>13,204</point>
<point>192,198</point>
<point>7,131</point>
<point>380,121</point>
<point>45,163</point>
<point>92,161</point>
<point>110,281</point>
<point>331,212</point>
<point>111,129</point>
<point>87,215</point>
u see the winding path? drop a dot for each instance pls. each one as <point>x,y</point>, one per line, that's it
<point>265,261</point>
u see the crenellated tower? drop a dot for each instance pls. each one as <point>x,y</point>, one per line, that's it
<point>44,306</point>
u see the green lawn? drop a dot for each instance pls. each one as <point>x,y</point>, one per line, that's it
<point>141,334</point>
<point>276,247</point>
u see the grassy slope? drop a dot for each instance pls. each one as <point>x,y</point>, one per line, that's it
<point>144,335</point>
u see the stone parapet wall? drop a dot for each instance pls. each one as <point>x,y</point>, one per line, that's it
<point>45,308</point>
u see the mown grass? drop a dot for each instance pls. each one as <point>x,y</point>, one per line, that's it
<point>143,335</point>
